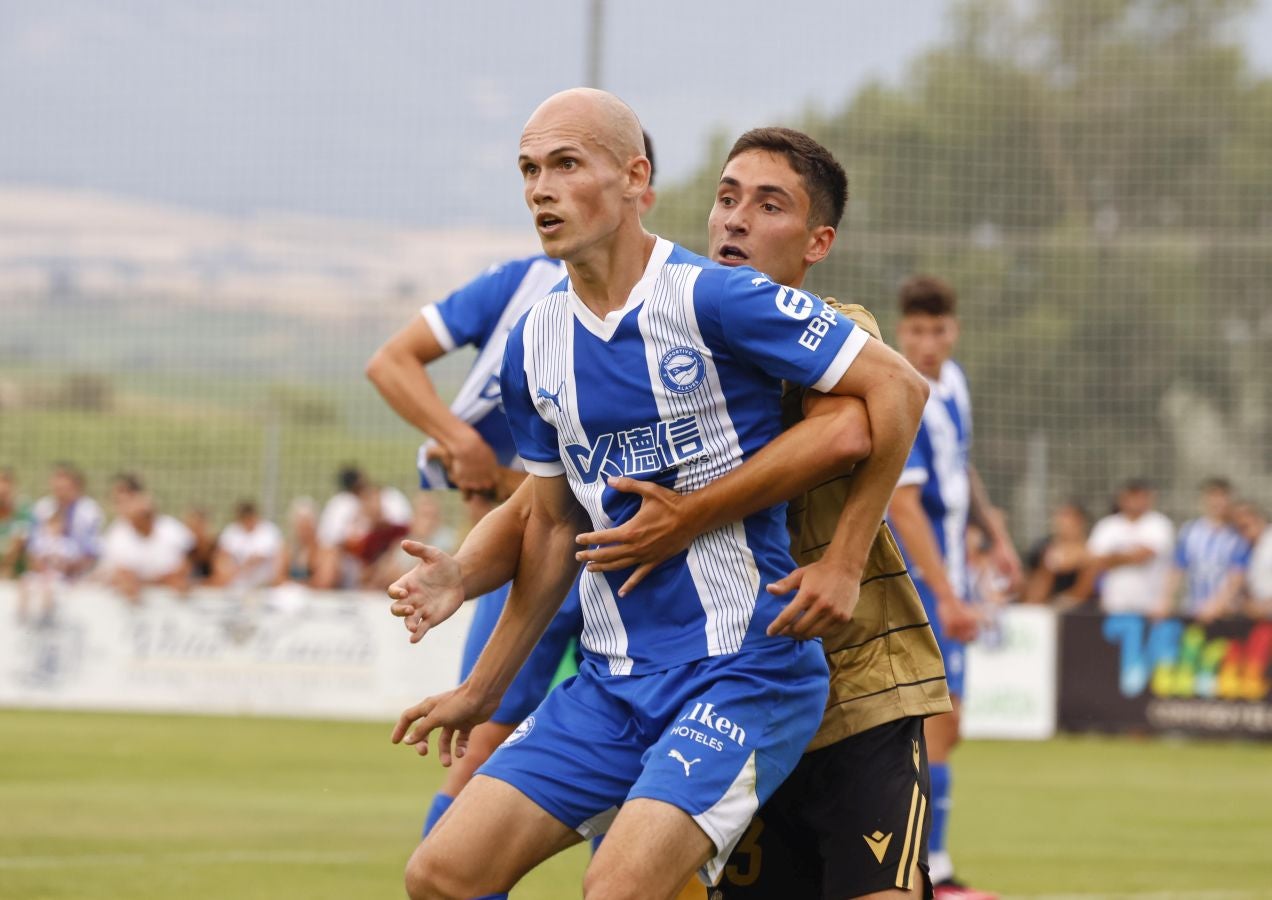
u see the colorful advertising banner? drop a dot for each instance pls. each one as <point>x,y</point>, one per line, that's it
<point>1129,673</point>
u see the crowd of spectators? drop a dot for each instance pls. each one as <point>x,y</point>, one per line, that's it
<point>353,542</point>
<point>1134,560</point>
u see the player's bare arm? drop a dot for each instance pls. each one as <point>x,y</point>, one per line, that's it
<point>431,592</point>
<point>397,371</point>
<point>981,512</point>
<point>834,436</point>
<point>912,526</point>
<point>894,394</point>
<point>542,581</point>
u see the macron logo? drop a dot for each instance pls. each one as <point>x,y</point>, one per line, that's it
<point>688,764</point>
<point>705,715</point>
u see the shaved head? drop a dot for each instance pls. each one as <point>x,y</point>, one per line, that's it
<point>599,116</point>
<point>585,174</point>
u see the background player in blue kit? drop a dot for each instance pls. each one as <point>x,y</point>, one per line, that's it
<point>686,711</point>
<point>470,447</point>
<point>935,495</point>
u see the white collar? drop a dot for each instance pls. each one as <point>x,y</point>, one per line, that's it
<point>605,328</point>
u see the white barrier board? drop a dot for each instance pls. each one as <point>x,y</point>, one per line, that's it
<point>281,652</point>
<point>1011,678</point>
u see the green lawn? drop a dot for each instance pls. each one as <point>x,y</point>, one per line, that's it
<point>114,806</point>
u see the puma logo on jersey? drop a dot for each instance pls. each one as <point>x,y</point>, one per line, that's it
<point>878,843</point>
<point>687,763</point>
<point>555,398</point>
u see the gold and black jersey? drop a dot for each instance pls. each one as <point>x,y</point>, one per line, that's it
<point>884,664</point>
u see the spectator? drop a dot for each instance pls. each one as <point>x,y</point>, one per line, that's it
<point>357,525</point>
<point>1210,559</point>
<point>1254,527</point>
<point>64,542</point>
<point>1057,561</point>
<point>144,548</point>
<point>250,552</point>
<point>67,530</point>
<point>203,553</point>
<point>428,526</point>
<point>1130,553</point>
<point>15,526</point>
<point>302,552</point>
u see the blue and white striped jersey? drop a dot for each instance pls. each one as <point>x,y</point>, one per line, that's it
<point>481,313</point>
<point>1207,552</point>
<point>678,387</point>
<point>938,464</point>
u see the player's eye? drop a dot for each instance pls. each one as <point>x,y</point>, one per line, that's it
<point>770,207</point>
<point>569,163</point>
<point>725,201</point>
<point>529,170</point>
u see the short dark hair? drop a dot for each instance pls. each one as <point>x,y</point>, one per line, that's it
<point>350,479</point>
<point>1137,485</point>
<point>649,155</point>
<point>1216,483</point>
<point>926,295</point>
<point>244,508</point>
<point>824,178</point>
<point>128,481</point>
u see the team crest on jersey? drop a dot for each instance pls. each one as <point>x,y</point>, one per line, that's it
<point>682,369</point>
<point>521,732</point>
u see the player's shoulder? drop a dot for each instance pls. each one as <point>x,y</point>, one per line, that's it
<point>858,314</point>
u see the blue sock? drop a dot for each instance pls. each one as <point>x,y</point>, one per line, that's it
<point>940,775</point>
<point>441,803</point>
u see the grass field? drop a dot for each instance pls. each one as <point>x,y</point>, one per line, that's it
<point>114,806</point>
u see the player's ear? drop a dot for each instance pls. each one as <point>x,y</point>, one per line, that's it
<point>820,240</point>
<point>638,173</point>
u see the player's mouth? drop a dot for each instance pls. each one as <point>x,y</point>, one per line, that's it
<point>548,224</point>
<point>731,255</point>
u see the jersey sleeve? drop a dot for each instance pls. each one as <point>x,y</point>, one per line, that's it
<point>786,332</point>
<point>535,438</point>
<point>918,462</point>
<point>470,314</point>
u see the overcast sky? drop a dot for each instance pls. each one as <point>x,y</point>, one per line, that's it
<point>407,111</point>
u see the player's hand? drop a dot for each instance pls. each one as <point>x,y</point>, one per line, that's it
<point>430,593</point>
<point>1006,561</point>
<point>661,528</point>
<point>472,464</point>
<point>456,712</point>
<point>825,600</point>
<point>958,620</point>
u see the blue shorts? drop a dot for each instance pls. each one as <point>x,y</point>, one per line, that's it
<point>952,651</point>
<point>531,684</point>
<point>714,738</point>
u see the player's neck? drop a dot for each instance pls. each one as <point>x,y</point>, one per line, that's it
<point>604,277</point>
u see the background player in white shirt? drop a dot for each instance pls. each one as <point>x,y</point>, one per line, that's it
<point>583,172</point>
